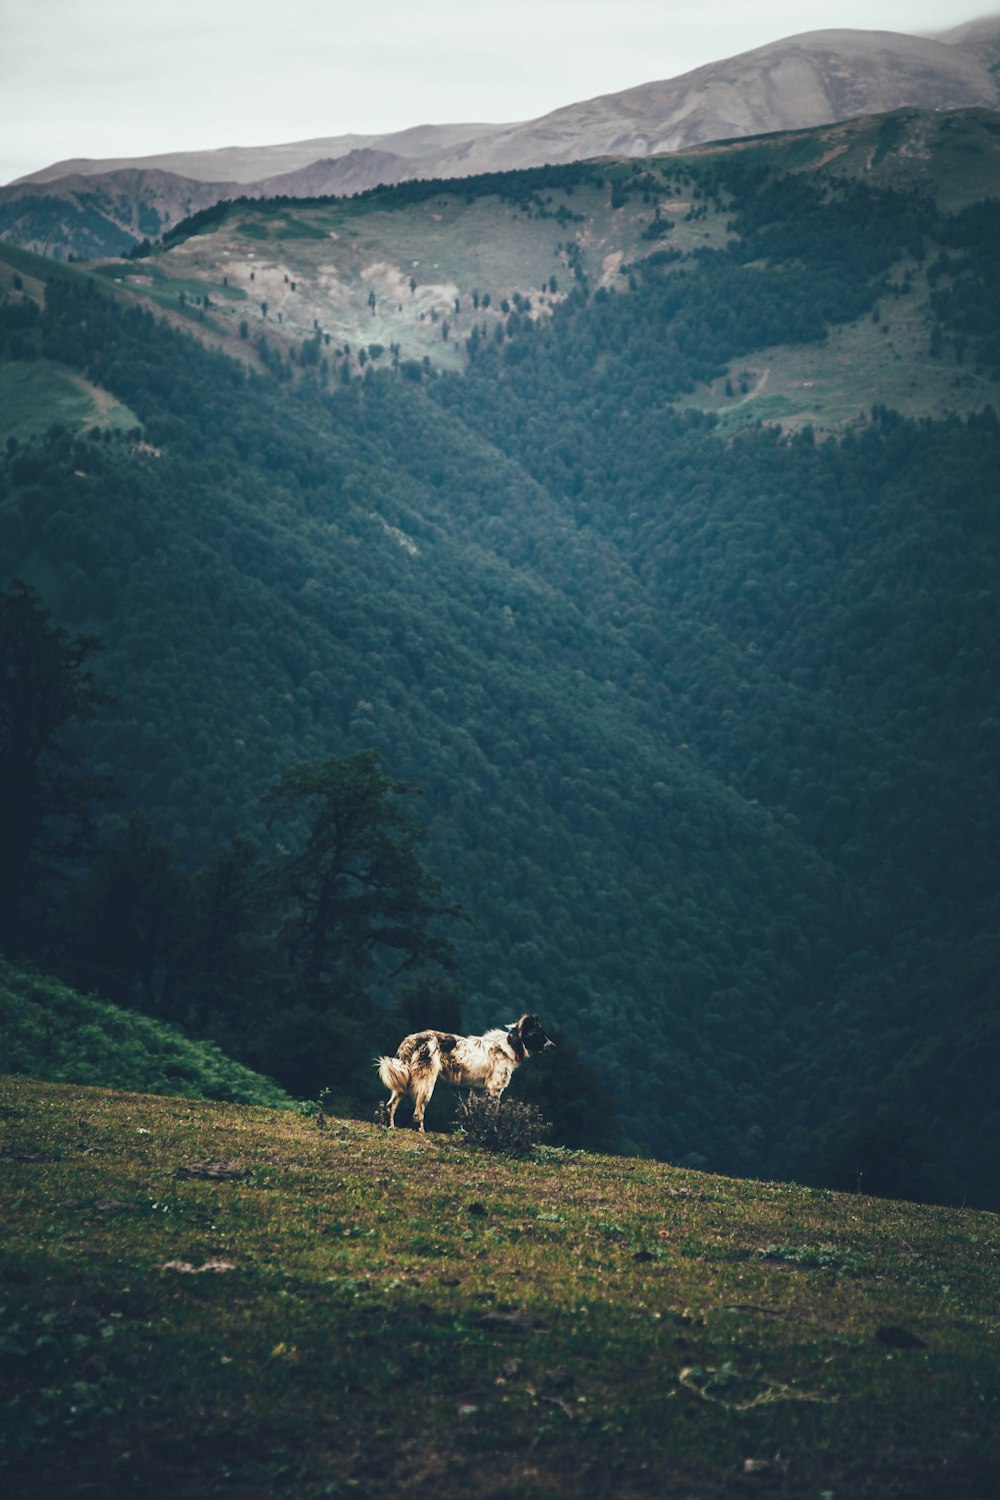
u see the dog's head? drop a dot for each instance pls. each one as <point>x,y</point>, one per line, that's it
<point>529,1033</point>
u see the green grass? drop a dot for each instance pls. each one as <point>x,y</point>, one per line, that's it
<point>949,155</point>
<point>35,395</point>
<point>49,1031</point>
<point>353,1311</point>
<point>831,384</point>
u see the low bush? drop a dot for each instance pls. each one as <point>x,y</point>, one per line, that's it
<point>505,1126</point>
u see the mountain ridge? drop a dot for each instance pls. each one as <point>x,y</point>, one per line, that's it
<point>247,164</point>
<point>295,270</point>
<point>810,78</point>
<point>794,83</point>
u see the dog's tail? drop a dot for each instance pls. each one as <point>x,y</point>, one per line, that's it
<point>394,1074</point>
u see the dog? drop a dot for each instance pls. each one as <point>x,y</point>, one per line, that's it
<point>483,1062</point>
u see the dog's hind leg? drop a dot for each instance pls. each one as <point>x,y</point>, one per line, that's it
<point>390,1108</point>
<point>422,1090</point>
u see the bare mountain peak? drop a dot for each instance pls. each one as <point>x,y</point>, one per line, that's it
<point>985,29</point>
<point>251,164</point>
<point>812,78</point>
<point>339,176</point>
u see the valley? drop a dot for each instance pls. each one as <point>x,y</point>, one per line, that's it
<point>662,560</point>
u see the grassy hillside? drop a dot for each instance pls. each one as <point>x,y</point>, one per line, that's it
<point>49,393</point>
<point>49,1031</point>
<point>411,271</point>
<point>203,1299</point>
<point>947,154</point>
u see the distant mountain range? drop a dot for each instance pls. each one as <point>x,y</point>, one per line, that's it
<point>85,208</point>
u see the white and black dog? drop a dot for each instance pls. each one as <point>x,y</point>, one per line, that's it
<point>477,1062</point>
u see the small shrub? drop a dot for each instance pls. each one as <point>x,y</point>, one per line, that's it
<point>507,1127</point>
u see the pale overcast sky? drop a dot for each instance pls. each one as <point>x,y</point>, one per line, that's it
<point>100,78</point>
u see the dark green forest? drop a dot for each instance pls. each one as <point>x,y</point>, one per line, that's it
<point>697,736</point>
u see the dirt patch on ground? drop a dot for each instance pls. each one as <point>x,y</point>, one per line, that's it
<point>610,266</point>
<point>105,403</point>
<point>828,157</point>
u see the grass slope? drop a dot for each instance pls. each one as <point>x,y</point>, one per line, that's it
<point>951,155</point>
<point>34,396</point>
<point>344,1311</point>
<point>381,271</point>
<point>49,1031</point>
<point>830,385</point>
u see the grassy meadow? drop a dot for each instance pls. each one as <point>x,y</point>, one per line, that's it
<point>34,396</point>
<point>207,1299</point>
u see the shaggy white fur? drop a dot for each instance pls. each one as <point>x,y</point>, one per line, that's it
<point>479,1062</point>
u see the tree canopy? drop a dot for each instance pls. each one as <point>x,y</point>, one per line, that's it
<point>354,890</point>
<point>46,793</point>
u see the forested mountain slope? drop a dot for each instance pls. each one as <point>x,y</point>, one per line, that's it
<point>432,271</point>
<point>703,712</point>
